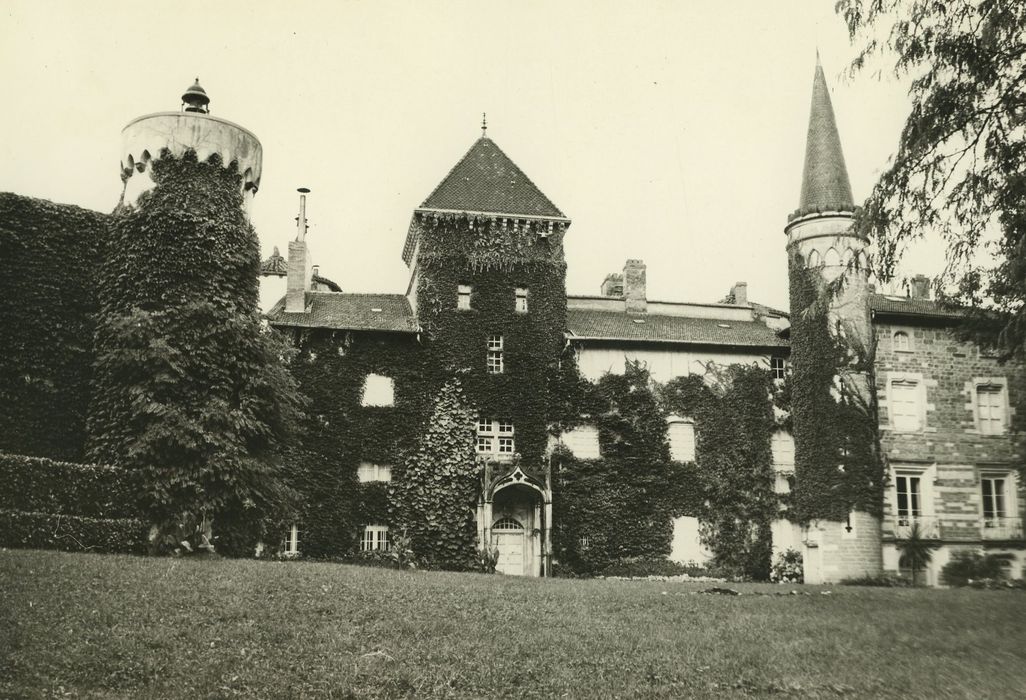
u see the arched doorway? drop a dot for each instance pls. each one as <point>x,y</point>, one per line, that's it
<point>514,520</point>
<point>510,540</point>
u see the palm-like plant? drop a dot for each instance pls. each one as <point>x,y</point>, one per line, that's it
<point>916,551</point>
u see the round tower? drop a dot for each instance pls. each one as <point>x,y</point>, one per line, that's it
<point>145,138</point>
<point>821,245</point>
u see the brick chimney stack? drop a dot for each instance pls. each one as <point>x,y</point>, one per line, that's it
<point>740,293</point>
<point>300,270</point>
<point>920,287</point>
<point>612,285</point>
<point>634,287</point>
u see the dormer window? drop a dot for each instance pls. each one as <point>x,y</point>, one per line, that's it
<point>521,300</point>
<point>463,293</point>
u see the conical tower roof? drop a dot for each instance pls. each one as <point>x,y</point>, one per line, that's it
<point>825,184</point>
<point>486,180</point>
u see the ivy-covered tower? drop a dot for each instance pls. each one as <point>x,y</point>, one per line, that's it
<point>838,492</point>
<point>487,284</point>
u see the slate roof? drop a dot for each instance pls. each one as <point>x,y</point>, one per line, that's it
<point>486,180</point>
<point>275,265</point>
<point>825,184</point>
<point>364,312</point>
<point>598,324</point>
<point>907,306</point>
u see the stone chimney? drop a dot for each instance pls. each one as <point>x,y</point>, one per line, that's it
<point>920,287</point>
<point>740,293</point>
<point>634,287</point>
<point>612,286</point>
<point>300,270</point>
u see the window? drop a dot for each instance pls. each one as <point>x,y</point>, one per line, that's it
<point>902,343</point>
<point>999,506</point>
<point>495,354</point>
<point>993,499</point>
<point>777,367</point>
<point>906,405</point>
<point>375,539</point>
<point>909,498</point>
<point>378,390</point>
<point>463,292</point>
<point>521,300</point>
<point>681,433</point>
<point>290,545</point>
<point>782,445</point>
<point>368,471</point>
<point>495,437</point>
<point>990,408</point>
<point>582,441</point>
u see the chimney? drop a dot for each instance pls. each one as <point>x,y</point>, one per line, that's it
<point>634,287</point>
<point>299,264</point>
<point>920,287</point>
<point>612,286</point>
<point>740,293</point>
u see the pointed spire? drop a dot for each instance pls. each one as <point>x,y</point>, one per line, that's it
<point>825,184</point>
<point>484,125</point>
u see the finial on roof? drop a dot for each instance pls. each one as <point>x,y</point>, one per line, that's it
<point>818,64</point>
<point>484,124</point>
<point>195,99</point>
<point>825,184</point>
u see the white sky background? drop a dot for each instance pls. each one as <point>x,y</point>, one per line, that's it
<point>668,131</point>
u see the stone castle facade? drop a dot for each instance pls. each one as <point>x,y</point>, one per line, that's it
<point>487,301</point>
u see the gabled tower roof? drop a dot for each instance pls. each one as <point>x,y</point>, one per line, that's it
<point>825,184</point>
<point>485,180</point>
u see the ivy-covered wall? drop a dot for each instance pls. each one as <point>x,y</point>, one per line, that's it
<point>189,390</point>
<point>50,256</point>
<point>838,465</point>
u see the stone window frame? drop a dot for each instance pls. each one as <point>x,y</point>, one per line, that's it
<point>374,538</point>
<point>1010,492</point>
<point>682,420</point>
<point>895,343</point>
<point>464,293</point>
<point>974,400</point>
<point>927,475</point>
<point>906,378</point>
<point>371,471</point>
<point>520,299</point>
<point>495,438</point>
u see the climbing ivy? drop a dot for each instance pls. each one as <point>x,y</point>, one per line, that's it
<point>435,492</point>
<point>838,467</point>
<point>190,391</point>
<point>734,423</point>
<point>49,259</point>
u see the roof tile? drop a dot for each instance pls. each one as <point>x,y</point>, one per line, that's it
<point>618,325</point>
<point>365,312</point>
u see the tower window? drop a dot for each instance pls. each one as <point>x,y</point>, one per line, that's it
<point>521,300</point>
<point>495,437</point>
<point>902,343</point>
<point>463,293</point>
<point>495,362</point>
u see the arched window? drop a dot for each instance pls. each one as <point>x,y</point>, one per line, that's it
<point>902,343</point>
<point>507,524</point>
<point>814,260</point>
<point>832,258</point>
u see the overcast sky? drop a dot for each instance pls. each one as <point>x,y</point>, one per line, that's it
<point>668,131</point>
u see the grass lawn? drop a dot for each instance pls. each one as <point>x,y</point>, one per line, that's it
<point>79,625</point>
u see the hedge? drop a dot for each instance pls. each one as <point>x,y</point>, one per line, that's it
<point>41,485</point>
<point>71,533</point>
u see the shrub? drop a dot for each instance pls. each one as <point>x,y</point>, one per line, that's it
<point>71,533</point>
<point>967,568</point>
<point>40,485</point>
<point>637,568</point>
<point>788,568</point>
